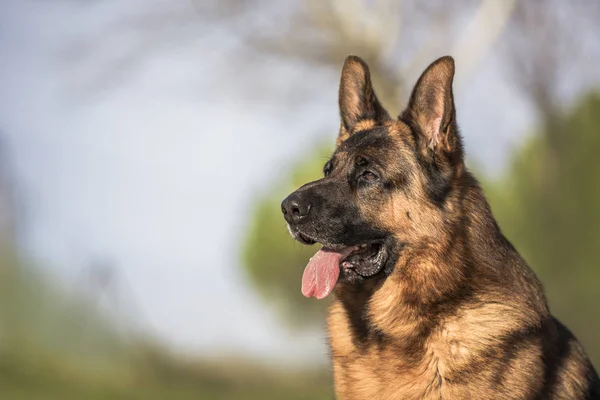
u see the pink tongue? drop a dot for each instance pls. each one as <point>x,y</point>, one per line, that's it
<point>322,271</point>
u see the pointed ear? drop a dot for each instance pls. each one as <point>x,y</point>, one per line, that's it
<point>431,109</point>
<point>357,98</point>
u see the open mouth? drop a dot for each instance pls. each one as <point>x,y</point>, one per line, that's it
<point>323,269</point>
<point>366,259</point>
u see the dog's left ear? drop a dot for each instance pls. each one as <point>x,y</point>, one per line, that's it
<point>357,98</point>
<point>431,110</point>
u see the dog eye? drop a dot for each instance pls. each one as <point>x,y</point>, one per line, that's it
<point>368,176</point>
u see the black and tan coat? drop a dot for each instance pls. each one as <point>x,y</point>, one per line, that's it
<point>453,311</point>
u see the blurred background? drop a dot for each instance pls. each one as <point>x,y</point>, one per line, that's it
<point>145,147</point>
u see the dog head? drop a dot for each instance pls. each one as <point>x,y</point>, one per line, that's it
<point>387,184</point>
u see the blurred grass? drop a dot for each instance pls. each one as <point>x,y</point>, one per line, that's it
<point>54,345</point>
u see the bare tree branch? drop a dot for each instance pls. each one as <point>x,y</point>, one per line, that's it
<point>396,38</point>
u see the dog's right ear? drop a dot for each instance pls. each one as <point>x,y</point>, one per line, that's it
<point>357,99</point>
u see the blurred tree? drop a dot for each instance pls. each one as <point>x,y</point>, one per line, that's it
<point>547,204</point>
<point>315,32</point>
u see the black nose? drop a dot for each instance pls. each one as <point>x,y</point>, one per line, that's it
<point>295,208</point>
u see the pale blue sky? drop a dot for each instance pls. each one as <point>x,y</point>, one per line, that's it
<point>158,172</point>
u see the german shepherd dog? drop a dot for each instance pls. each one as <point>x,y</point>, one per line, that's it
<point>431,300</point>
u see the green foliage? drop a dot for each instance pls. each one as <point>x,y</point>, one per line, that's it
<point>273,261</point>
<point>548,205</point>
